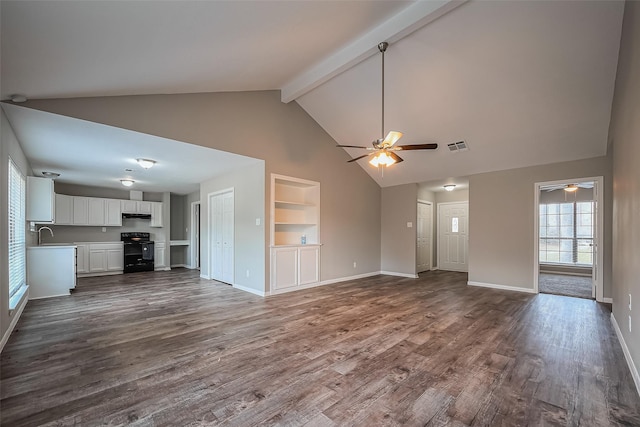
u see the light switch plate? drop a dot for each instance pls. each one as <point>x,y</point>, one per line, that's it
<point>409,225</point>
<point>257,221</point>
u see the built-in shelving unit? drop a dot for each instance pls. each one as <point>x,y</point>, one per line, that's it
<point>295,211</point>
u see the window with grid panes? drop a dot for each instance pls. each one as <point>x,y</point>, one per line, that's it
<point>566,233</point>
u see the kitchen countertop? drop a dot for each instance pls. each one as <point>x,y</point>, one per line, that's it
<point>54,245</point>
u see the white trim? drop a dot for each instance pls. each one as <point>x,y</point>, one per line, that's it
<point>430,204</point>
<point>607,300</point>
<point>599,199</point>
<point>17,312</point>
<point>99,273</point>
<point>438,233</point>
<point>393,273</point>
<point>565,273</point>
<point>162,269</point>
<point>180,266</point>
<point>627,354</point>
<point>194,250</point>
<point>50,296</point>
<point>250,290</point>
<point>210,196</point>
<point>204,276</point>
<point>327,282</point>
<point>502,287</point>
<point>346,279</point>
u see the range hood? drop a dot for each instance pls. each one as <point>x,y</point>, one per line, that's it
<point>136,215</point>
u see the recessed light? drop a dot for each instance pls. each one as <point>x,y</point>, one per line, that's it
<point>127,182</point>
<point>449,187</point>
<point>146,163</point>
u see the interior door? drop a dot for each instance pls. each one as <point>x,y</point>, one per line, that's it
<point>221,242</point>
<point>424,240</point>
<point>453,236</point>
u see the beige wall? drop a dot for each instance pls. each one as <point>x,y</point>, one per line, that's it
<point>501,220</point>
<point>257,124</point>
<point>398,250</point>
<point>9,147</point>
<point>625,137</point>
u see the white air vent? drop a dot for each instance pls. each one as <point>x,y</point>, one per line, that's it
<point>458,146</point>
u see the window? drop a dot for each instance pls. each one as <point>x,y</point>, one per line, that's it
<point>17,231</point>
<point>566,233</point>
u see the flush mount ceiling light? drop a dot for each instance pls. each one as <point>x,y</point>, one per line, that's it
<point>570,188</point>
<point>383,150</point>
<point>52,175</point>
<point>146,163</point>
<point>449,187</point>
<point>18,98</point>
<point>127,182</point>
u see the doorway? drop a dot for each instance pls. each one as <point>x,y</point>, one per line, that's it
<point>568,236</point>
<point>221,236</point>
<point>194,238</point>
<point>424,249</point>
<point>453,236</point>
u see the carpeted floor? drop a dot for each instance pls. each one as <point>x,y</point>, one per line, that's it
<point>561,284</point>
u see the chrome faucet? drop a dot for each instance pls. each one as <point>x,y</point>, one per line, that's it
<point>40,234</point>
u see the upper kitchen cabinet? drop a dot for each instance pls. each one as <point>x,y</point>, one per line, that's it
<point>40,200</point>
<point>77,210</point>
<point>156,214</point>
<point>136,207</point>
<point>64,209</point>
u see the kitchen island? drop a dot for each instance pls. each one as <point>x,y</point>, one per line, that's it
<point>51,270</point>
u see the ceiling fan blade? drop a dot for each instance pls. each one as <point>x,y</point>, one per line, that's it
<point>359,157</point>
<point>395,157</point>
<point>354,146</point>
<point>417,147</point>
<point>391,138</point>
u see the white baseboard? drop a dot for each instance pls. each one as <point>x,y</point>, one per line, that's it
<point>346,279</point>
<point>565,273</point>
<point>17,312</point>
<point>204,276</point>
<point>393,273</point>
<point>607,300</point>
<point>501,287</point>
<point>627,354</point>
<point>51,296</point>
<point>180,266</point>
<point>162,269</point>
<point>250,290</point>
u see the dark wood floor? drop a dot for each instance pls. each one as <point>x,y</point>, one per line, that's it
<point>170,349</point>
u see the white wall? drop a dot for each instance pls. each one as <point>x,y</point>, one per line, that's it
<point>9,147</point>
<point>625,137</point>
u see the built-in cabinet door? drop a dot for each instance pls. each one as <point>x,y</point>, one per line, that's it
<point>144,207</point>
<point>115,259</point>
<point>285,267</point>
<point>96,211</point>
<point>64,209</point>
<point>160,249</point>
<point>97,260</point>
<point>309,264</point>
<point>80,210</point>
<point>222,236</point>
<point>112,212</point>
<point>156,214</point>
<point>40,200</point>
<point>82,258</point>
<point>129,206</point>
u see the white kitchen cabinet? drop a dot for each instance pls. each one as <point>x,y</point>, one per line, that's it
<point>82,258</point>
<point>160,250</point>
<point>112,212</point>
<point>64,210</point>
<point>40,200</point>
<point>144,207</point>
<point>100,258</point>
<point>95,211</point>
<point>51,270</point>
<point>295,266</point>
<point>156,214</point>
<point>80,211</point>
<point>129,206</point>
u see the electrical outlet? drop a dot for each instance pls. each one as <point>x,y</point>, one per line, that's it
<point>104,229</point>
<point>629,302</point>
<point>409,225</point>
<point>257,221</point>
<point>629,323</point>
<point>247,273</point>
<point>355,265</point>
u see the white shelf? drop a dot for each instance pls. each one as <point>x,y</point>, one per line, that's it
<point>295,210</point>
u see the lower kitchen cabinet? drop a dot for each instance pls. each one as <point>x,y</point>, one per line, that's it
<point>160,250</point>
<point>100,258</point>
<point>51,270</point>
<point>294,266</point>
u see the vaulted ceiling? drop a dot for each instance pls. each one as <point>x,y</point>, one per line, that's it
<point>522,82</point>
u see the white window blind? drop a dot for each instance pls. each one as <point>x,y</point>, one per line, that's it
<point>17,229</point>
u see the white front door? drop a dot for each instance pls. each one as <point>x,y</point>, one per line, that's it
<point>453,236</point>
<point>424,232</point>
<point>221,240</point>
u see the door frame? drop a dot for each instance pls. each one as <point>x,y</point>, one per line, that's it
<point>430,204</point>
<point>596,270</point>
<point>210,197</point>
<point>438,232</point>
<point>194,236</point>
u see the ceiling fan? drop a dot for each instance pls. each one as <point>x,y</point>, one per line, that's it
<point>384,149</point>
<point>569,188</point>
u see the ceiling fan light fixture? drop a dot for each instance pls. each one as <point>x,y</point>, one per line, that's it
<point>570,188</point>
<point>382,159</point>
<point>52,175</point>
<point>127,182</point>
<point>146,163</point>
<point>449,187</point>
